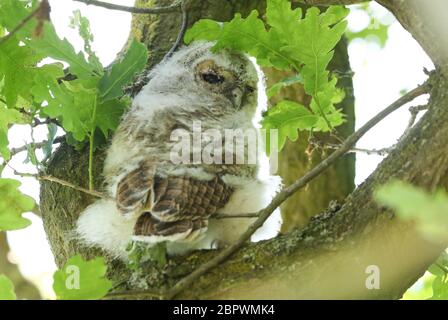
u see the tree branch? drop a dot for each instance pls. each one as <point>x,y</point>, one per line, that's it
<point>325,3</point>
<point>64,183</point>
<point>182,30</point>
<point>427,24</point>
<point>37,145</point>
<point>172,8</point>
<point>235,216</point>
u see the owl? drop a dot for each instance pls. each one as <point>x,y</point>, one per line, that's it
<point>153,199</point>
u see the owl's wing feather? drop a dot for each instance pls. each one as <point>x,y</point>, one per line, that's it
<point>182,206</point>
<point>155,230</point>
<point>134,190</point>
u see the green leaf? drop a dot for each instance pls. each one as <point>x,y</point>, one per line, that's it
<point>31,156</point>
<point>244,35</point>
<point>286,82</point>
<point>12,13</point>
<point>47,44</point>
<point>440,288</point>
<point>50,45</point>
<point>73,104</point>
<point>204,29</point>
<point>13,204</point>
<point>8,117</point>
<point>323,105</point>
<point>430,211</point>
<point>81,280</point>
<point>313,42</point>
<point>288,42</point>
<point>109,114</point>
<point>282,19</point>
<point>83,26</point>
<point>47,148</point>
<point>17,69</point>
<point>436,270</point>
<point>6,289</point>
<point>121,72</point>
<point>287,117</point>
<point>45,81</point>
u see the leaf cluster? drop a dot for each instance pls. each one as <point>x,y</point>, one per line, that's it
<point>288,39</point>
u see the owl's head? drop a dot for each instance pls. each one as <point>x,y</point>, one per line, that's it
<point>220,78</point>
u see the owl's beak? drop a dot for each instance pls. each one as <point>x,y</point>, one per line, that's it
<point>236,97</point>
<point>238,94</point>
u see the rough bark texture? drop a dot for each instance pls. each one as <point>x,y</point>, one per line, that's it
<point>328,258</point>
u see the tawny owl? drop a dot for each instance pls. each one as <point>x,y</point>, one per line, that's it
<point>155,199</point>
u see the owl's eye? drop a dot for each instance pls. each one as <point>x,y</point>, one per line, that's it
<point>249,89</point>
<point>212,78</point>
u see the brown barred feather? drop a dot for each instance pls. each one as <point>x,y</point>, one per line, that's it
<point>147,225</point>
<point>188,197</point>
<point>182,206</point>
<point>170,205</point>
<point>135,188</point>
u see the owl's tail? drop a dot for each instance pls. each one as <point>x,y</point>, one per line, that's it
<point>102,225</point>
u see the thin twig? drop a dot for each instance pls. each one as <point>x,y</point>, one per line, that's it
<point>183,29</point>
<point>330,2</point>
<point>234,216</point>
<point>380,152</point>
<point>93,193</point>
<point>414,113</point>
<point>37,145</point>
<point>40,177</point>
<point>46,121</point>
<point>174,7</point>
<point>265,213</point>
<point>91,146</point>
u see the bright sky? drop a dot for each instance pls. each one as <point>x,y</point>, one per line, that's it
<point>380,75</point>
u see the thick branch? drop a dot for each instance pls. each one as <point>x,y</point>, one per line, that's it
<point>426,21</point>
<point>168,9</point>
<point>330,2</point>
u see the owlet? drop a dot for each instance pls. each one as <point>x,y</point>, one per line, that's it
<point>166,189</point>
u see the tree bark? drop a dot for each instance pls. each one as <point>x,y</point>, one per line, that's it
<point>329,257</point>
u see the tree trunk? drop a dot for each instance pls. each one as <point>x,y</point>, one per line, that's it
<point>329,257</point>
